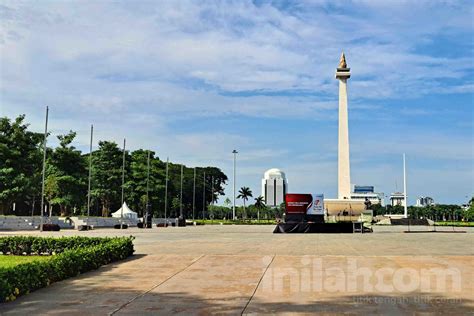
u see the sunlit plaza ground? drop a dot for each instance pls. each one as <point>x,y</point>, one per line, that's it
<point>247,269</point>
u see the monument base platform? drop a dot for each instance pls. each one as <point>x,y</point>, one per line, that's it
<point>320,228</point>
<point>335,207</point>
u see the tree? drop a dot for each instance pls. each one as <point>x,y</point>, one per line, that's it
<point>67,172</point>
<point>65,183</point>
<point>217,211</point>
<point>259,202</point>
<point>212,189</point>
<point>396,209</point>
<point>20,162</point>
<point>468,214</point>
<point>107,175</point>
<point>378,209</point>
<point>244,193</point>
<point>279,210</point>
<point>136,184</point>
<point>175,205</point>
<point>259,205</point>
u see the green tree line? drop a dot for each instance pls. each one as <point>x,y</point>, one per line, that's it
<point>66,177</point>
<point>258,210</point>
<point>438,212</point>
<point>251,212</point>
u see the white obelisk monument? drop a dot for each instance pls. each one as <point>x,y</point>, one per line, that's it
<point>344,172</point>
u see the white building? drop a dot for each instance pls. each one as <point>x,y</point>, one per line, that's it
<point>362,192</point>
<point>274,187</point>
<point>423,201</point>
<point>397,198</point>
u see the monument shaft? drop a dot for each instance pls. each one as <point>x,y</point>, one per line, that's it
<point>344,174</point>
<point>343,163</point>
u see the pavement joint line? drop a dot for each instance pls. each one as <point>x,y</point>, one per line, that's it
<point>154,287</point>
<point>258,284</point>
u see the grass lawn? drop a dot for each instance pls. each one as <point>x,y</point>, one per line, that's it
<point>7,261</point>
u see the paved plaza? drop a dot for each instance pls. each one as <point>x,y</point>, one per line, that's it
<point>248,270</point>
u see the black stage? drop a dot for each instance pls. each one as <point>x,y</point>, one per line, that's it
<point>319,228</point>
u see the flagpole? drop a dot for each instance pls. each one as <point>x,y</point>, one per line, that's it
<point>123,181</point>
<point>194,192</point>
<point>212,190</point>
<point>181,195</point>
<point>204,196</point>
<point>166,192</point>
<point>233,205</point>
<point>405,209</point>
<point>44,167</point>
<point>90,173</point>
<point>145,220</point>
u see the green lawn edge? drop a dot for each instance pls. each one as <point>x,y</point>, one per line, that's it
<point>66,262</point>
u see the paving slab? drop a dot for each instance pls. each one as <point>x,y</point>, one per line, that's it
<point>393,285</point>
<point>102,291</point>
<point>216,284</point>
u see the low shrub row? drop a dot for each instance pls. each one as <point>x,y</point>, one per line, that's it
<point>80,255</point>
<point>236,222</point>
<point>30,245</point>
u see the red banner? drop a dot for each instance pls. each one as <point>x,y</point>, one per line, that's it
<point>298,203</point>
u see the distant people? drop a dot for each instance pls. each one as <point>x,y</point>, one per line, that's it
<point>367,203</point>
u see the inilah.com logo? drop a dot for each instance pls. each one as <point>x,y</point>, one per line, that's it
<point>316,274</point>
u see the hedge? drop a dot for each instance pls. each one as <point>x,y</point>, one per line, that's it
<point>30,245</point>
<point>71,256</point>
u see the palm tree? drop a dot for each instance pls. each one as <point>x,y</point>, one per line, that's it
<point>259,204</point>
<point>244,194</point>
<point>227,203</point>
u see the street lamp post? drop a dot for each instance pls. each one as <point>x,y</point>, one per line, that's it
<point>44,167</point>
<point>233,205</point>
<point>89,180</point>
<point>123,183</point>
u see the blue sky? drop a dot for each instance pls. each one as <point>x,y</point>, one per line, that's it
<point>193,80</point>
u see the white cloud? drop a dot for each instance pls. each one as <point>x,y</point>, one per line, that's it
<point>233,47</point>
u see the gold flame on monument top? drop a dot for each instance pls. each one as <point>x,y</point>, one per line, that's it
<point>342,61</point>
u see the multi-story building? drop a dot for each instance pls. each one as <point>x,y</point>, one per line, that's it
<point>363,192</point>
<point>423,201</point>
<point>397,198</point>
<point>274,187</point>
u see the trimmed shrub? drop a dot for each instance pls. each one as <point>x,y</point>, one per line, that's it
<point>30,245</point>
<point>72,256</point>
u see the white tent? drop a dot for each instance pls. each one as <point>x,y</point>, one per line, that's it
<point>127,213</point>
